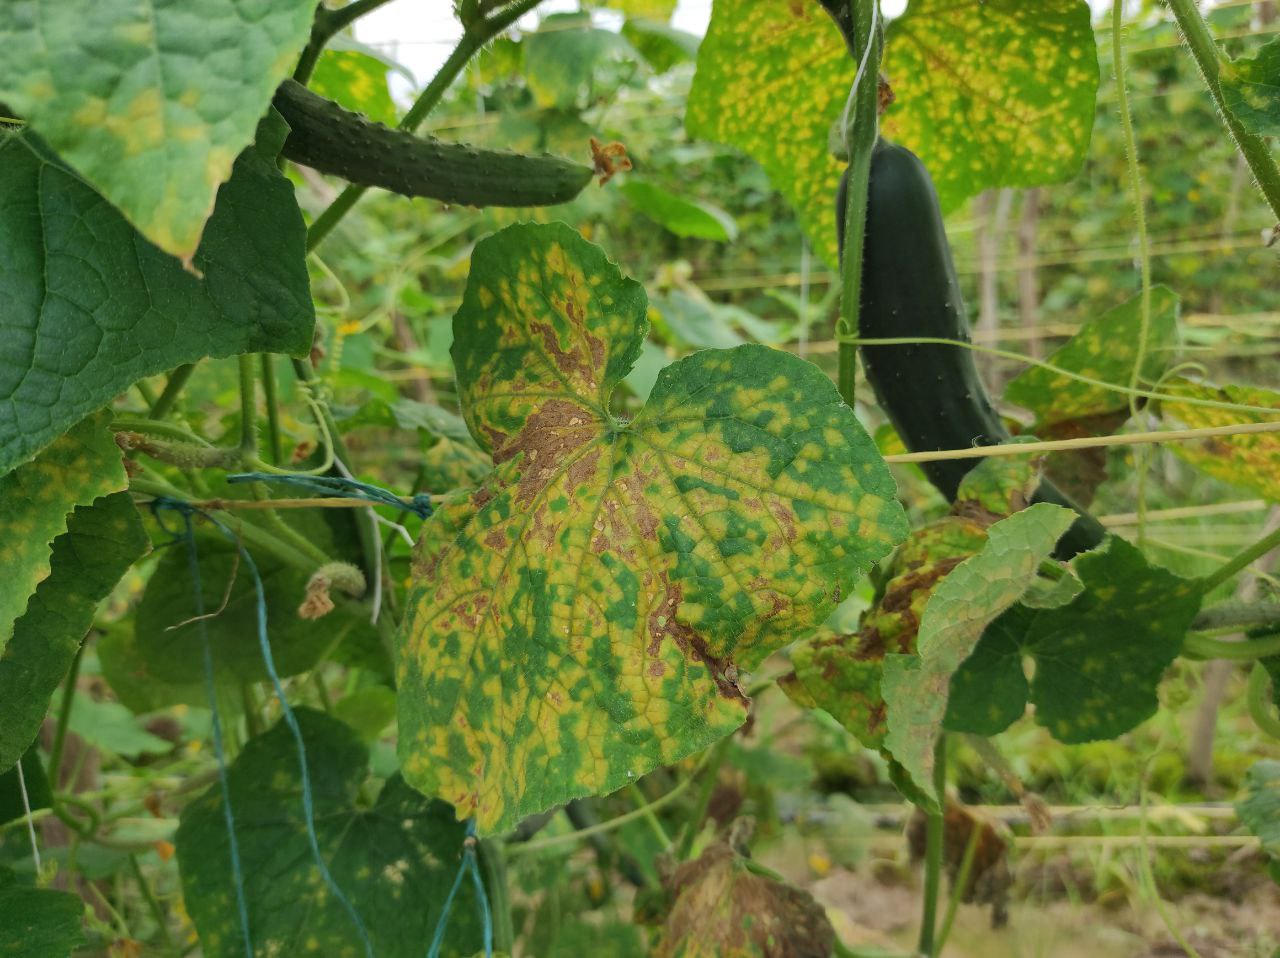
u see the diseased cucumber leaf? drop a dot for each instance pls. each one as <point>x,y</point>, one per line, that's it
<point>37,499</point>
<point>916,687</point>
<point>1104,349</point>
<point>38,922</point>
<point>1251,89</point>
<point>582,617</point>
<point>1249,461</point>
<point>95,307</point>
<point>356,80</point>
<point>997,93</point>
<point>840,671</point>
<point>101,542</point>
<point>772,78</point>
<point>394,861</point>
<point>150,102</point>
<point>1098,658</point>
<point>1259,807</point>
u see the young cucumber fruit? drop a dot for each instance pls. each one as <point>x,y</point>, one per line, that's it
<point>331,139</point>
<point>931,393</point>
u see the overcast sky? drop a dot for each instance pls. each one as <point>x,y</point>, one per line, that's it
<point>420,33</point>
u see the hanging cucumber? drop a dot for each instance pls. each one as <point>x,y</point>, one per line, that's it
<point>931,393</point>
<point>334,140</point>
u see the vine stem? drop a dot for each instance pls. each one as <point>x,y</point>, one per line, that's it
<point>934,827</point>
<point>1261,703</point>
<point>172,387</point>
<point>477,33</point>
<point>327,24</point>
<point>1091,442</point>
<point>860,132</point>
<point>1139,203</point>
<point>270,395</point>
<point>1241,561</point>
<point>1254,149</point>
<point>64,717</point>
<point>1204,647</point>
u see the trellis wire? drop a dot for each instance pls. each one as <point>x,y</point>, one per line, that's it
<point>31,825</point>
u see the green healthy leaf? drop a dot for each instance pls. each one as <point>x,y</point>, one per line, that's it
<point>36,782</point>
<point>1259,809</point>
<point>369,711</point>
<point>582,618</point>
<point>1105,349</point>
<point>998,93</point>
<point>757,63</point>
<point>915,687</point>
<point>174,654</point>
<point>680,216</point>
<point>357,81</point>
<point>1098,658</point>
<point>112,727</point>
<point>128,671</point>
<point>653,9</point>
<point>38,922</point>
<point>694,322</point>
<point>37,499</point>
<point>1251,89</point>
<point>563,55</point>
<point>101,542</point>
<point>662,47</point>
<point>394,861</point>
<point>150,102</point>
<point>91,307</point>
<point>404,414</point>
<point>1249,461</point>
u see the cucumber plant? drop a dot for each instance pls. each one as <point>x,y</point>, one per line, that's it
<point>431,638</point>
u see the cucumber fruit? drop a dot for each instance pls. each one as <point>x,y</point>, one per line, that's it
<point>931,393</point>
<point>331,139</point>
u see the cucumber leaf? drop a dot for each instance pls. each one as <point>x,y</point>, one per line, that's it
<point>150,102</point>
<point>1099,658</point>
<point>582,617</point>
<point>394,860</point>
<point>1251,89</point>
<point>96,307</point>
<point>38,922</point>
<point>37,499</point>
<point>101,542</point>
<point>356,80</point>
<point>1259,807</point>
<point>916,687</point>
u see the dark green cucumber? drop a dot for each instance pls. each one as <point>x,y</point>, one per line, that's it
<point>331,139</point>
<point>931,393</point>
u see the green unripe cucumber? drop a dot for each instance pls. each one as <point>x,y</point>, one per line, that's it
<point>931,393</point>
<point>331,139</point>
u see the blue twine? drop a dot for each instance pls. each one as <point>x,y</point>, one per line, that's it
<point>470,865</point>
<point>342,488</point>
<point>291,720</point>
<point>193,561</point>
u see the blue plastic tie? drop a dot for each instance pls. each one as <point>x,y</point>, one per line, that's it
<point>268,660</point>
<point>469,864</point>
<point>340,487</point>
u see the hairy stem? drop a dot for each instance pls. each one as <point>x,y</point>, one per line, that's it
<point>1241,561</point>
<point>1254,149</point>
<point>933,853</point>
<point>172,387</point>
<point>270,394</point>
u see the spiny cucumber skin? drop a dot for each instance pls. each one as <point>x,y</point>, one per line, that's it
<point>331,139</point>
<point>932,393</point>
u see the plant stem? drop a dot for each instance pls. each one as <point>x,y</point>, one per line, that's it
<point>1203,647</point>
<point>248,411</point>
<point>645,807</point>
<point>1240,562</point>
<point>153,904</point>
<point>270,395</point>
<point>860,136</point>
<point>694,824</point>
<point>172,387</point>
<point>64,716</point>
<point>933,852</point>
<point>495,872</point>
<point>1237,613</point>
<point>156,428</point>
<point>1254,149</point>
<point>1262,707</point>
<point>323,29</point>
<point>477,34</point>
<point>959,886</point>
